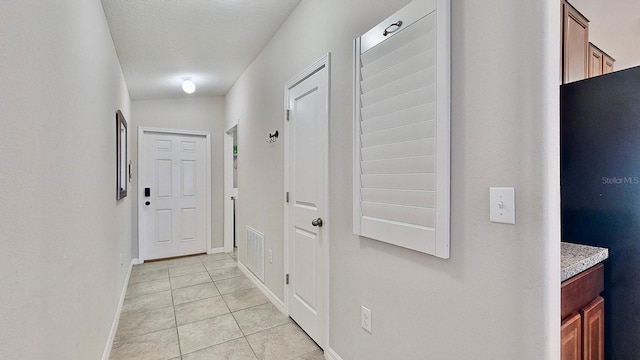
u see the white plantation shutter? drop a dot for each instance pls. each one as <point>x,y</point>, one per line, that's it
<point>401,162</point>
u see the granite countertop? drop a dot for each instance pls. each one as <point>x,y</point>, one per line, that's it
<point>577,258</point>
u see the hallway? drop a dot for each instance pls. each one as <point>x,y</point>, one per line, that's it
<point>204,307</point>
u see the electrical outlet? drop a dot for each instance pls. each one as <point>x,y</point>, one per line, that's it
<point>365,318</point>
<point>270,256</point>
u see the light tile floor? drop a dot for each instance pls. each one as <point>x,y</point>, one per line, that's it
<point>204,307</point>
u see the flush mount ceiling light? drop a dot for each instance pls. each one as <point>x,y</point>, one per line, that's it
<point>188,85</point>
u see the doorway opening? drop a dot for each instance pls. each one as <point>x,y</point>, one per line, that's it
<point>231,202</point>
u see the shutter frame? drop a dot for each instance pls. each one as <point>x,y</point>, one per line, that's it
<point>386,175</point>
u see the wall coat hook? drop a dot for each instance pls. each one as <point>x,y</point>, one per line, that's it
<point>273,137</point>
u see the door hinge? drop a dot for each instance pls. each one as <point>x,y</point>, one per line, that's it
<point>287,279</point>
<point>287,196</point>
<point>288,114</point>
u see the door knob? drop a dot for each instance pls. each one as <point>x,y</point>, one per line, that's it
<point>148,203</point>
<point>317,222</point>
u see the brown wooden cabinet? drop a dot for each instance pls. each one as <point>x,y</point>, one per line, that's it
<point>580,59</point>
<point>593,330</point>
<point>582,313</point>
<point>575,44</point>
<point>596,61</point>
<point>607,65</point>
<point>599,62</point>
<point>571,338</point>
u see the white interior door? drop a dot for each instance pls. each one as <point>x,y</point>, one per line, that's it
<point>173,212</point>
<point>308,185</point>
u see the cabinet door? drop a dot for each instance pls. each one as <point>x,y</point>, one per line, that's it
<point>575,47</point>
<point>607,64</point>
<point>571,338</point>
<point>596,61</point>
<point>593,330</point>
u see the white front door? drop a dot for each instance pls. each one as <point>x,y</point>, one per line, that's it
<point>173,212</point>
<point>307,212</point>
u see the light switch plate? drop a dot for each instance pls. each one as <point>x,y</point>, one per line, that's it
<point>502,205</point>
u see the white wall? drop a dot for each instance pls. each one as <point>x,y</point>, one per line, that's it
<point>198,114</point>
<point>614,27</point>
<point>498,295</point>
<point>62,232</point>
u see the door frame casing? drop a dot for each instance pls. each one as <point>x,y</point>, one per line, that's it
<point>207,136</point>
<point>324,61</point>
<point>228,185</point>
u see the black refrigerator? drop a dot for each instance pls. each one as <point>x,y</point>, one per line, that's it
<point>600,187</point>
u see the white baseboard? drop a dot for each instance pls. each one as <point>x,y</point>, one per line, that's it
<point>265,290</point>
<point>215,250</point>
<point>114,325</point>
<point>330,354</point>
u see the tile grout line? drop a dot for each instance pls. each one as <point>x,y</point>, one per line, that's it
<point>225,304</point>
<point>175,317</point>
<point>244,336</point>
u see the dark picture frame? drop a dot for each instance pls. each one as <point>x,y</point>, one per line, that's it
<point>122,173</point>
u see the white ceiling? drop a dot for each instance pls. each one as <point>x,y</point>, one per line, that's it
<point>159,42</point>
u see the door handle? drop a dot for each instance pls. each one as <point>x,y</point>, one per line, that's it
<point>148,203</point>
<point>317,222</point>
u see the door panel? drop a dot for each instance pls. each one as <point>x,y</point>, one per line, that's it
<point>188,179</point>
<point>308,157</point>
<point>189,229</point>
<point>305,255</point>
<point>174,223</point>
<point>164,178</point>
<point>188,146</point>
<point>163,145</point>
<point>306,149</point>
<point>163,226</point>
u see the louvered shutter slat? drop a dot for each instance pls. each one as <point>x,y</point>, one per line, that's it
<point>413,215</point>
<point>401,70</point>
<point>398,181</point>
<point>401,102</point>
<point>420,198</point>
<point>401,118</point>
<point>413,165</point>
<point>398,150</point>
